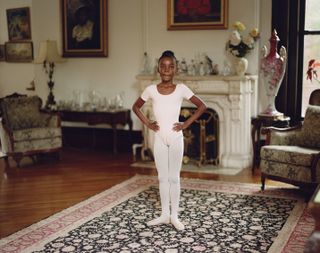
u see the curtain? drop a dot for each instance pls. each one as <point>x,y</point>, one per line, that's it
<point>288,20</point>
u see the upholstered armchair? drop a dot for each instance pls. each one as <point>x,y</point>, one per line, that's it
<point>292,155</point>
<point>25,130</point>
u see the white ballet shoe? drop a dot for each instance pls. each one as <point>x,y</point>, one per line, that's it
<point>177,224</point>
<point>159,220</point>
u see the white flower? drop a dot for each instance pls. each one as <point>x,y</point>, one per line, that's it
<point>235,38</point>
<point>235,52</point>
<point>254,33</point>
<point>239,26</point>
<point>238,45</point>
<point>248,41</point>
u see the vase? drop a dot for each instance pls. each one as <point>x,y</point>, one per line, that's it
<point>272,68</point>
<point>241,66</point>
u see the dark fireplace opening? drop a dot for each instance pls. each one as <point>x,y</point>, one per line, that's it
<point>201,139</point>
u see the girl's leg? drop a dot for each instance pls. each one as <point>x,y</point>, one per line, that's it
<point>161,160</point>
<point>175,161</point>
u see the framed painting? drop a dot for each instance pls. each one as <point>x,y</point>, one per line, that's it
<point>2,54</point>
<point>197,14</point>
<point>18,20</point>
<point>85,28</point>
<point>19,51</point>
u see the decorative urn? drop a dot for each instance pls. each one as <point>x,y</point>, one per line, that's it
<point>272,68</point>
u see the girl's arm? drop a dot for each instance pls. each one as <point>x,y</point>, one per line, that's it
<point>201,107</point>
<point>136,108</point>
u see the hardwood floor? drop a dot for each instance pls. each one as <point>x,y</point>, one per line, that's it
<point>36,191</point>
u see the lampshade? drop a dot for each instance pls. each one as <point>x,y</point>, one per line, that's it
<point>49,52</point>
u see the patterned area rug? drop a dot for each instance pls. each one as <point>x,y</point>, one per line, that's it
<point>218,217</point>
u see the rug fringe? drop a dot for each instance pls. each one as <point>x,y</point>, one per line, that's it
<point>282,238</point>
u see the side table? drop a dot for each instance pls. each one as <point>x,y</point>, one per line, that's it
<point>113,118</point>
<point>257,123</point>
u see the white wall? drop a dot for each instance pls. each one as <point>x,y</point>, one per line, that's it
<point>265,27</point>
<point>135,26</point>
<point>188,43</point>
<point>13,76</point>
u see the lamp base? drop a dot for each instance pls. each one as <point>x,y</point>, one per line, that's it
<point>51,103</point>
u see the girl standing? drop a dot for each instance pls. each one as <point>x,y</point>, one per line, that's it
<point>166,98</point>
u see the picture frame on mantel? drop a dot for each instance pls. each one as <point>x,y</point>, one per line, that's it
<point>19,51</point>
<point>84,28</point>
<point>19,25</point>
<point>197,15</point>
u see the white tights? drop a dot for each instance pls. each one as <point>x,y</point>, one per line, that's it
<point>168,159</point>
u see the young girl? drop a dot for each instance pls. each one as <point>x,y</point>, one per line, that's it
<point>166,98</point>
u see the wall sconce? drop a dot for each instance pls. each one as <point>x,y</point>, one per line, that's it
<point>48,56</point>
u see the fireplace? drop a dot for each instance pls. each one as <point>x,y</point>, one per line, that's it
<point>201,139</point>
<point>233,99</point>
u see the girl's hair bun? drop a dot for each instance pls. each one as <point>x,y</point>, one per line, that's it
<point>168,53</point>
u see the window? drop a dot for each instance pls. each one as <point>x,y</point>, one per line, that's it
<point>298,25</point>
<point>311,48</point>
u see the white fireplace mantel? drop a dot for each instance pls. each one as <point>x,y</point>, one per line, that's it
<point>234,98</point>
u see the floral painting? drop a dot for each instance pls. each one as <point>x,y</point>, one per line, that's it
<point>195,14</point>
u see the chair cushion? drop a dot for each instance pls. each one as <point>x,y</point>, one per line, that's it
<point>23,112</point>
<point>310,132</point>
<point>36,134</point>
<point>37,145</point>
<point>293,172</point>
<point>289,154</point>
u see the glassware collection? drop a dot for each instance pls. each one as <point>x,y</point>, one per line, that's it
<point>201,65</point>
<point>92,101</point>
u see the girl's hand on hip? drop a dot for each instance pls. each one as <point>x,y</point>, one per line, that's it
<point>178,127</point>
<point>153,126</point>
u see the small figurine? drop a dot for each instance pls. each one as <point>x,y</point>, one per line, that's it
<point>191,69</point>
<point>155,67</point>
<point>183,68</point>
<point>226,69</point>
<point>209,65</point>
<point>215,70</point>
<point>202,71</point>
<point>31,86</point>
<point>145,66</point>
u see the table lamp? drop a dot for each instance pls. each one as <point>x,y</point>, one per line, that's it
<point>48,56</point>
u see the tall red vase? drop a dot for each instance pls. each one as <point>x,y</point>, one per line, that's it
<point>273,67</point>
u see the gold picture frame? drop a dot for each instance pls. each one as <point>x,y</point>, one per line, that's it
<point>197,15</point>
<point>84,28</point>
<point>19,51</point>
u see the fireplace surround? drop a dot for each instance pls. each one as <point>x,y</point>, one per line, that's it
<point>233,98</point>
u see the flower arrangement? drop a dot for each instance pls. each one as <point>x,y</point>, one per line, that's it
<point>238,45</point>
<point>312,72</point>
